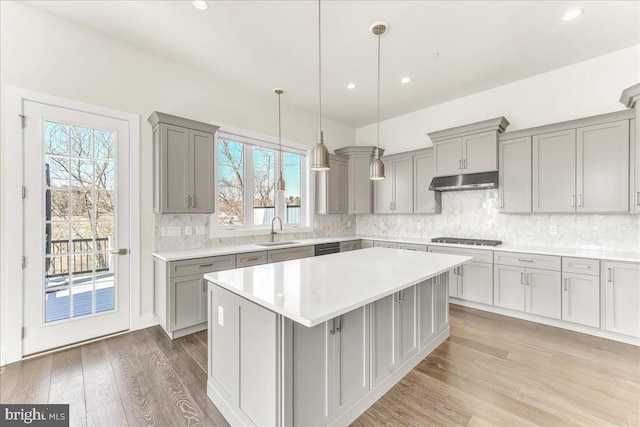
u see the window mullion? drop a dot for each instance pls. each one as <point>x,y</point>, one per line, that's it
<point>248,186</point>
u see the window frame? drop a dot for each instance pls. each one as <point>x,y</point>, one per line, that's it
<point>251,139</point>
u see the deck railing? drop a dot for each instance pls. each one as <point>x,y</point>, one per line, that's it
<point>84,255</point>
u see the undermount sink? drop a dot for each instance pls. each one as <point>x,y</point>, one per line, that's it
<point>284,242</point>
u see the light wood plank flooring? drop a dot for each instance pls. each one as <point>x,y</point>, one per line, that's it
<point>493,370</point>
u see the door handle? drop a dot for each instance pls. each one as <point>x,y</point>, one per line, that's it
<point>573,201</point>
<point>525,260</point>
<point>119,252</point>
<point>186,201</point>
<point>332,327</point>
<point>464,163</point>
<point>528,279</point>
<point>579,200</point>
<point>609,275</point>
<point>579,266</point>
<point>206,265</point>
<point>565,284</point>
<point>460,164</point>
<point>501,203</point>
<point>522,278</point>
<point>637,198</point>
<point>253,259</point>
<point>338,323</point>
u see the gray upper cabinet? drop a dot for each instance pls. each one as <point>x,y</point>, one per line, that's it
<point>515,175</point>
<point>331,187</point>
<point>471,148</point>
<point>360,188</point>
<point>394,194</point>
<point>424,200</point>
<point>183,162</point>
<point>554,172</point>
<point>629,98</point>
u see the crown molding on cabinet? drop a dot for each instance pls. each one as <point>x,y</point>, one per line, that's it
<point>630,96</point>
<point>498,124</point>
<point>158,117</point>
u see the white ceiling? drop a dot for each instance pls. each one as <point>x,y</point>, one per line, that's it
<point>267,44</point>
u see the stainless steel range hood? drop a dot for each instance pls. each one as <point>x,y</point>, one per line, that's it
<point>472,181</point>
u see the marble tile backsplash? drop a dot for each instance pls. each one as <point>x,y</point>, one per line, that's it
<point>474,214</point>
<point>325,226</point>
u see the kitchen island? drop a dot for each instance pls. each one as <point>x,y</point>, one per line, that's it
<point>316,341</point>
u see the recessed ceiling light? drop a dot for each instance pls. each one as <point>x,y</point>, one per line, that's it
<point>351,86</point>
<point>572,14</point>
<point>406,79</point>
<point>200,4</point>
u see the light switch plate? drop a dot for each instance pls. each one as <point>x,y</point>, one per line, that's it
<point>553,230</point>
<point>200,230</point>
<point>418,226</point>
<point>170,231</point>
<point>188,230</point>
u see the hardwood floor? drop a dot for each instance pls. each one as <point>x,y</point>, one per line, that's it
<point>493,370</point>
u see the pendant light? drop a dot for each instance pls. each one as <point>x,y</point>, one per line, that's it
<point>280,186</point>
<point>376,168</point>
<point>319,154</point>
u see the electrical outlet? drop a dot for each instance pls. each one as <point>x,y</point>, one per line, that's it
<point>418,226</point>
<point>170,231</point>
<point>200,230</point>
<point>188,230</point>
<point>553,230</point>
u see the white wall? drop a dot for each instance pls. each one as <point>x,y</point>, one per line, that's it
<point>585,89</point>
<point>44,53</point>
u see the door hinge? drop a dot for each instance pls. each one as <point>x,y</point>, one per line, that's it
<point>24,262</point>
<point>24,192</point>
<point>23,120</point>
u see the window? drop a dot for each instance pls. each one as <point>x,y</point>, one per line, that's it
<point>247,170</point>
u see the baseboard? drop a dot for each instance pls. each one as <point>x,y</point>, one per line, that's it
<point>147,321</point>
<point>597,332</point>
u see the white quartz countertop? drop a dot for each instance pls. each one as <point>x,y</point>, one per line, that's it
<point>249,247</point>
<point>313,290</point>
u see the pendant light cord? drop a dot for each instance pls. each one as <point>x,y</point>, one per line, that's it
<point>378,140</point>
<point>319,67</point>
<point>279,126</point>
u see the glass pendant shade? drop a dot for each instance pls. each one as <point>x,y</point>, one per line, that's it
<point>376,168</point>
<point>319,155</point>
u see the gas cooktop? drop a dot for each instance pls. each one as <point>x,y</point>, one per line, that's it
<point>474,242</point>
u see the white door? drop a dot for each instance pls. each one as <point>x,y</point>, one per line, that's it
<point>76,216</point>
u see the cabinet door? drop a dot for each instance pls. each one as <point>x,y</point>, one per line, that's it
<point>480,152</point>
<point>403,185</point>
<point>447,157</point>
<point>543,293</point>
<point>634,135</point>
<point>351,358</point>
<point>441,303</point>
<point>515,175</point>
<point>188,302</point>
<point>424,200</point>
<point>508,287</point>
<point>343,188</point>
<point>333,176</point>
<point>622,298</point>
<point>454,283</point>
<point>426,314</point>
<point>174,169</point>
<point>603,167</point>
<point>554,172</point>
<point>581,299</point>
<point>383,324</point>
<point>383,192</point>
<point>407,324</point>
<point>476,282</point>
<point>360,192</point>
<point>381,244</point>
<point>222,367</point>
<point>313,374</point>
<point>201,177</point>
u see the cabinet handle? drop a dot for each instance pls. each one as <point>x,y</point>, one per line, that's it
<point>186,201</point>
<point>522,278</point>
<point>354,206</point>
<point>206,265</point>
<point>609,275</point>
<point>204,286</point>
<point>332,328</point>
<point>401,296</point>
<point>253,259</point>
<point>528,279</point>
<point>338,323</point>
<point>565,284</point>
<point>501,203</point>
<point>461,284</point>
<point>464,163</point>
<point>573,201</point>
<point>579,266</point>
<point>638,198</point>
<point>579,200</point>
<point>525,260</point>
<point>460,164</point>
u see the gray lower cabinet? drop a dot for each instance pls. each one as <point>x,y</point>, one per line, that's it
<point>249,259</point>
<point>395,332</point>
<point>474,280</point>
<point>183,165</point>
<point>287,254</point>
<point>180,292</point>
<point>383,244</point>
<point>440,303</point>
<point>425,200</point>
<point>412,247</point>
<point>581,299</point>
<point>514,175</point>
<point>621,282</point>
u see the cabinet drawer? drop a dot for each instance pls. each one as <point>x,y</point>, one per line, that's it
<point>517,259</point>
<point>382,244</point>
<point>251,258</point>
<point>357,244</point>
<point>478,255</point>
<point>581,266</point>
<point>290,253</point>
<point>201,265</point>
<point>412,247</point>
<point>346,246</point>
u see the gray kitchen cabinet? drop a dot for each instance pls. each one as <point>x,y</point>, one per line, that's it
<point>629,98</point>
<point>440,301</point>
<point>622,297</point>
<point>278,255</point>
<point>360,187</point>
<point>520,284</point>
<point>367,244</point>
<point>412,247</point>
<point>394,194</point>
<point>426,313</point>
<point>183,161</point>
<point>383,244</point>
<point>471,148</point>
<point>554,172</point>
<point>474,280</point>
<point>581,299</point>
<point>350,245</point>
<point>331,187</point>
<point>222,320</point>
<point>249,259</point>
<point>425,200</point>
<point>603,167</point>
<point>515,174</point>
<point>394,332</point>
<point>180,303</point>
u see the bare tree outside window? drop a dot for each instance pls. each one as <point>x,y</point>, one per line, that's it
<point>230,183</point>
